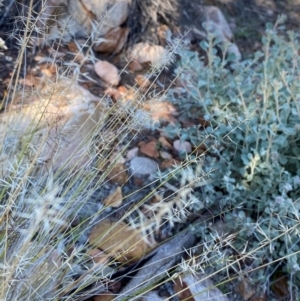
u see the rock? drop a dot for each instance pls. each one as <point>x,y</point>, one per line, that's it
<point>71,152</point>
<point>150,149</point>
<point>233,49</point>
<point>165,155</point>
<point>82,18</point>
<point>107,14</point>
<point>2,44</point>
<point>217,23</point>
<point>113,41</point>
<point>61,23</point>
<point>132,153</point>
<point>38,282</point>
<point>116,157</point>
<point>146,53</point>
<point>61,109</point>
<point>143,166</point>
<point>108,72</point>
<point>218,26</point>
<point>182,146</point>
<point>119,240</point>
<point>46,14</point>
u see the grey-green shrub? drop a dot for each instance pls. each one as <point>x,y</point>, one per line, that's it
<point>253,109</point>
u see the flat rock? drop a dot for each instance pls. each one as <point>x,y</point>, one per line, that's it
<point>143,166</point>
<point>108,72</point>
<point>218,26</point>
<point>146,53</point>
<point>108,14</point>
<point>182,146</point>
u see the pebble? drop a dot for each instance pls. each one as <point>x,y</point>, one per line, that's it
<point>143,166</point>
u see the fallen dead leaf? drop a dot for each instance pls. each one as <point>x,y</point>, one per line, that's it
<point>162,34</point>
<point>280,286</point>
<point>114,94</point>
<point>115,199</point>
<point>165,256</point>
<point>150,149</point>
<point>142,81</point>
<point>168,163</point>
<point>137,181</point>
<point>113,40</point>
<point>118,174</point>
<point>104,297</point>
<point>29,81</point>
<point>205,123</point>
<point>197,288</point>
<point>246,289</point>
<point>182,291</point>
<point>128,94</point>
<point>49,70</point>
<point>160,110</point>
<point>72,46</point>
<point>152,296</point>
<point>98,256</point>
<point>165,143</point>
<point>119,240</point>
<point>259,297</point>
<point>200,149</point>
<point>56,54</point>
<point>135,66</point>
